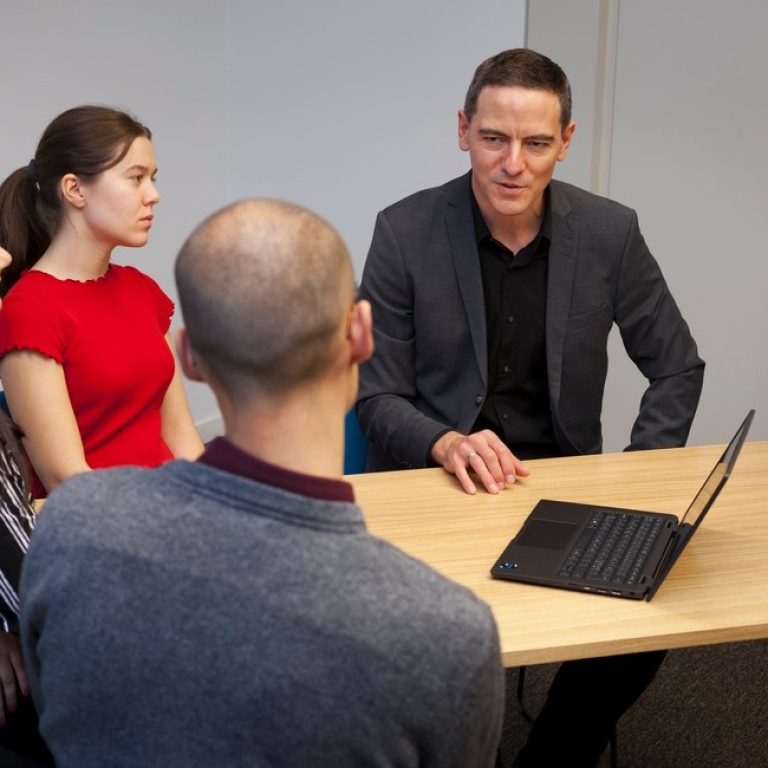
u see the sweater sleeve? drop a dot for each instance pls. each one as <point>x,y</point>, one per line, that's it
<point>474,739</point>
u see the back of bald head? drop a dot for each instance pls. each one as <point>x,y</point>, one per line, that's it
<point>264,287</point>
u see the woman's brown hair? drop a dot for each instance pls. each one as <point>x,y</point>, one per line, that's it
<point>84,141</point>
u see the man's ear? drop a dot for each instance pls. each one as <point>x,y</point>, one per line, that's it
<point>186,355</point>
<point>566,141</point>
<point>72,190</point>
<point>361,332</point>
<point>463,131</point>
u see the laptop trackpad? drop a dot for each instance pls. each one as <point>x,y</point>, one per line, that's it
<point>546,534</point>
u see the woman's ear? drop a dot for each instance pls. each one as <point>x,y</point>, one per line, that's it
<point>72,190</point>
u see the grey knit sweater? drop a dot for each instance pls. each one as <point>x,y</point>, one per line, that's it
<point>185,616</point>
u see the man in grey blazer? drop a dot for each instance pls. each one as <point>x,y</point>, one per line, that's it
<point>493,297</point>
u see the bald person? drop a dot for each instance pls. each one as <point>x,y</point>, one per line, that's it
<point>234,611</point>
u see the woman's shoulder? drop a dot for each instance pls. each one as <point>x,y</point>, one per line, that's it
<point>34,292</point>
<point>32,281</point>
<point>145,290</point>
<point>124,273</point>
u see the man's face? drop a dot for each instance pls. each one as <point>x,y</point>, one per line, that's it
<point>514,141</point>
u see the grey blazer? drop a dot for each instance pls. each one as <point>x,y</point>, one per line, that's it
<point>429,368</point>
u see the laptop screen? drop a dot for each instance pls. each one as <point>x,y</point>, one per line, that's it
<point>702,502</point>
<point>717,477</point>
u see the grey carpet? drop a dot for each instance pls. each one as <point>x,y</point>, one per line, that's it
<point>706,708</point>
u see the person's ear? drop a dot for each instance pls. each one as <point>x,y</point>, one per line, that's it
<point>566,141</point>
<point>361,332</point>
<point>186,355</point>
<point>463,131</point>
<point>72,190</point>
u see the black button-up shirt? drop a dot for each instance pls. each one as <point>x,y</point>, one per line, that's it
<point>516,406</point>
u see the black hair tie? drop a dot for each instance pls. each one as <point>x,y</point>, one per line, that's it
<point>32,171</point>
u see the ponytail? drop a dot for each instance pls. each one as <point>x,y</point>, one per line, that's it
<point>22,232</point>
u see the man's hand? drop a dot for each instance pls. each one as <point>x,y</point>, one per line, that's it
<point>493,463</point>
<point>11,671</point>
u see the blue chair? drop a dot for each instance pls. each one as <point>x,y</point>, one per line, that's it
<point>355,445</point>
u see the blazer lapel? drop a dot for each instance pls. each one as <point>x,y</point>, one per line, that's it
<point>466,260</point>
<point>562,262</point>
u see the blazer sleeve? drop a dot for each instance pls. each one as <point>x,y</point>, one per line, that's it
<point>388,381</point>
<point>658,340</point>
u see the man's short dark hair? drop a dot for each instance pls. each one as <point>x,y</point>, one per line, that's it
<point>523,68</point>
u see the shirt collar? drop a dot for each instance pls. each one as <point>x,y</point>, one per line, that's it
<point>224,455</point>
<point>482,231</point>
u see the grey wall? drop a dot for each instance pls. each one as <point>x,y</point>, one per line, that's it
<point>342,106</point>
<point>346,106</point>
<point>686,150</point>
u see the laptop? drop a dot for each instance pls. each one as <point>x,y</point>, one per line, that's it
<point>609,550</point>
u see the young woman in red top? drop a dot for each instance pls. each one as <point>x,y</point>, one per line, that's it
<point>85,356</point>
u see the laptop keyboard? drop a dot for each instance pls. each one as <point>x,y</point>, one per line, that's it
<point>613,547</point>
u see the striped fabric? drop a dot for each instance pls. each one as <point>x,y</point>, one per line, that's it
<point>17,519</point>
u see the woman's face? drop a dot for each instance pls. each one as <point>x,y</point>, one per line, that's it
<point>119,203</point>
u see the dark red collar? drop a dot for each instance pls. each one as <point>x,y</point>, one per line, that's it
<point>224,455</point>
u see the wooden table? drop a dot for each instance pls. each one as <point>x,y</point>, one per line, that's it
<point>717,592</point>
